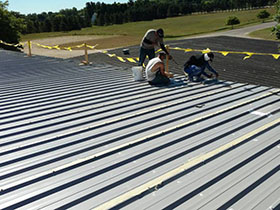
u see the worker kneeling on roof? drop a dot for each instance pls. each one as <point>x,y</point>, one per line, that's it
<point>155,71</point>
<point>196,65</point>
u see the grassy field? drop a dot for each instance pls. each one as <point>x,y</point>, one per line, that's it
<point>264,34</point>
<point>175,28</point>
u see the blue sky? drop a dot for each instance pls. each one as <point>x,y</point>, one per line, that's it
<point>38,6</point>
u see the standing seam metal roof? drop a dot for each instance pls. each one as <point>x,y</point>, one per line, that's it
<point>91,137</point>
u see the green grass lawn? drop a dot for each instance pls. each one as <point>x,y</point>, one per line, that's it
<point>264,34</point>
<point>174,27</point>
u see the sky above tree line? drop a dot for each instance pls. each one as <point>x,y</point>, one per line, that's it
<point>39,6</point>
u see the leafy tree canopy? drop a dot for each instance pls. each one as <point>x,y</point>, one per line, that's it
<point>232,20</point>
<point>276,29</point>
<point>10,25</point>
<point>263,15</point>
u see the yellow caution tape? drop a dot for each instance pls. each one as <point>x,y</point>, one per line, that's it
<point>276,56</point>
<point>79,46</point>
<point>158,50</point>
<point>68,48</point>
<point>178,48</point>
<point>186,50</point>
<point>111,55</point>
<point>57,47</point>
<point>121,59</point>
<point>92,47</point>
<point>13,45</point>
<point>206,51</point>
<point>225,53</point>
<point>51,47</point>
<point>135,60</point>
<point>131,60</point>
<point>249,56</point>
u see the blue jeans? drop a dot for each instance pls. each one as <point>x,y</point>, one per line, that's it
<point>194,71</point>
<point>145,52</point>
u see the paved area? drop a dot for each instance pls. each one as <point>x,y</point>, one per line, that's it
<point>241,32</point>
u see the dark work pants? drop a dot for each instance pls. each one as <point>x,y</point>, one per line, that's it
<point>145,52</point>
<point>160,80</point>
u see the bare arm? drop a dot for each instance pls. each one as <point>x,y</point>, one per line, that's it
<point>159,66</point>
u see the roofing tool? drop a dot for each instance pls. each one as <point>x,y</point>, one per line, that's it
<point>174,61</point>
<point>170,75</point>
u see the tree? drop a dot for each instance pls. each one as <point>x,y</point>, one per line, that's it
<point>56,20</point>
<point>208,5</point>
<point>263,15</point>
<point>63,26</point>
<point>30,28</point>
<point>276,28</point>
<point>10,25</point>
<point>88,12</point>
<point>47,25</point>
<point>232,20</point>
<point>107,18</point>
<point>172,10</point>
<point>74,20</point>
<point>100,19</point>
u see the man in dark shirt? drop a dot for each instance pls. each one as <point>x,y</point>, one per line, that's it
<point>196,65</point>
<point>151,39</point>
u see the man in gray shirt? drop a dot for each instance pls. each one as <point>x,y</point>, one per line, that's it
<point>151,39</point>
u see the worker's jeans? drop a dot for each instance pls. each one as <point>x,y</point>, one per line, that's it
<point>145,52</point>
<point>194,71</point>
<point>160,80</point>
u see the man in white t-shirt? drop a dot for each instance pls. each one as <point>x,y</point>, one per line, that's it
<point>155,71</point>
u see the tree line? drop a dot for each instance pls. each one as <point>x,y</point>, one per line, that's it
<point>64,20</point>
<point>118,13</point>
<point>144,10</point>
<point>107,14</point>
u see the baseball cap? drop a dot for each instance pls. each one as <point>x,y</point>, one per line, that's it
<point>160,32</point>
<point>209,56</point>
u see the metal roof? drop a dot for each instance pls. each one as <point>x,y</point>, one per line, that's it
<point>90,137</point>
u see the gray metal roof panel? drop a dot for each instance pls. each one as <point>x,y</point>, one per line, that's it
<point>119,134</point>
<point>266,199</point>
<point>202,174</point>
<point>184,185</point>
<point>116,132</point>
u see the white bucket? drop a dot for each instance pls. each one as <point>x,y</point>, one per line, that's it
<point>137,72</point>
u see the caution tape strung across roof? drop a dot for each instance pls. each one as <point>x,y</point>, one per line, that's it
<point>135,60</point>
<point>132,60</point>
<point>57,47</point>
<point>225,53</point>
<point>13,45</point>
